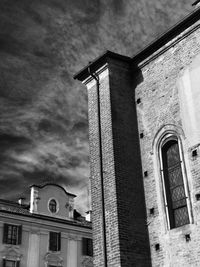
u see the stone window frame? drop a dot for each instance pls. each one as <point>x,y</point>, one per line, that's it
<point>164,134</point>
<point>9,235</point>
<point>57,205</point>
<point>16,263</point>
<point>53,259</point>
<point>55,238</point>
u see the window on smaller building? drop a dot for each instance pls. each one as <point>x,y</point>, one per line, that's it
<point>54,241</point>
<point>12,234</point>
<point>87,247</point>
<point>10,263</point>
<point>53,206</point>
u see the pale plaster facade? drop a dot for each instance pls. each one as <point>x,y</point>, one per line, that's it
<point>37,223</point>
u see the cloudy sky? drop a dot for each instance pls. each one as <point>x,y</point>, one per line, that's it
<point>43,111</point>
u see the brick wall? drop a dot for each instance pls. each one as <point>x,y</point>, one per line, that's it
<point>126,232</point>
<point>161,106</point>
<point>134,245</point>
<point>154,98</point>
<point>95,178</point>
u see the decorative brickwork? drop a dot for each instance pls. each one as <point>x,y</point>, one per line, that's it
<point>141,101</point>
<point>160,107</point>
<point>125,216</point>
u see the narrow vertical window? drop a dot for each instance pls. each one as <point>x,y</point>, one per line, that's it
<point>54,241</point>
<point>12,234</point>
<point>174,184</point>
<point>87,247</point>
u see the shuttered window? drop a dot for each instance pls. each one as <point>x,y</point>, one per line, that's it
<point>54,241</point>
<point>12,234</point>
<point>87,248</point>
<point>174,185</point>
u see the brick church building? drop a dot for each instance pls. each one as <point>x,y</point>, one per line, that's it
<point>144,128</point>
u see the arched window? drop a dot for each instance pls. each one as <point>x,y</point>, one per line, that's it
<point>175,193</point>
<point>53,206</point>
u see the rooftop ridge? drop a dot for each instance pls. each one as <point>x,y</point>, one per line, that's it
<point>54,184</point>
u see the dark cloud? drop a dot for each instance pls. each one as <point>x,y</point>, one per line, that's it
<point>118,7</point>
<point>11,140</point>
<point>43,112</point>
<point>11,45</point>
<point>52,127</point>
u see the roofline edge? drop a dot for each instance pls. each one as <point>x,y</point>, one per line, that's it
<point>152,47</point>
<point>93,65</point>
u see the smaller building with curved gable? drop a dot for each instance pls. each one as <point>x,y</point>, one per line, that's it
<point>52,200</point>
<point>46,232</point>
